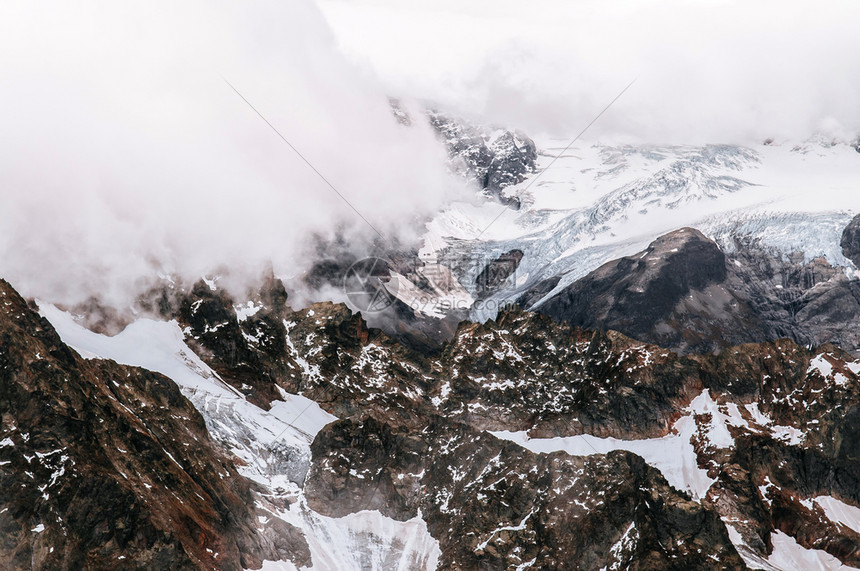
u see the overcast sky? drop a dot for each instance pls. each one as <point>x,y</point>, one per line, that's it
<point>728,70</point>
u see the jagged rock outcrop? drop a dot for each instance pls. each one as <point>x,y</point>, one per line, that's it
<point>497,272</point>
<point>104,466</point>
<point>494,505</point>
<point>770,429</point>
<point>389,456</point>
<point>685,293</point>
<point>792,444</point>
<point>249,353</point>
<point>412,436</point>
<point>494,159</point>
<point>810,301</point>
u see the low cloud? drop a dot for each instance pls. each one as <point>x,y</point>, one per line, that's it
<point>125,154</point>
<point>708,70</point>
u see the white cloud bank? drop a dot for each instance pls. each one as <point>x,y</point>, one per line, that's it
<point>124,153</point>
<point>708,70</point>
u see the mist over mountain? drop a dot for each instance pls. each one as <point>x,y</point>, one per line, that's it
<point>126,154</point>
<point>706,71</point>
<point>373,285</point>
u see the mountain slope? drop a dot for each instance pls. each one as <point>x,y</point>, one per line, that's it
<point>523,443</point>
<point>595,203</point>
<point>685,293</point>
<point>102,463</point>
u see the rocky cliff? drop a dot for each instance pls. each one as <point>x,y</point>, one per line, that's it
<point>104,466</point>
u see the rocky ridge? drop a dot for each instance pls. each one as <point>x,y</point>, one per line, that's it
<point>516,443</point>
<point>105,466</point>
<point>494,159</point>
<point>527,373</point>
<point>686,293</point>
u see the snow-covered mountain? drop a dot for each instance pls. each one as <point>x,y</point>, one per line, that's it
<point>235,432</point>
<point>258,313</point>
<point>594,203</point>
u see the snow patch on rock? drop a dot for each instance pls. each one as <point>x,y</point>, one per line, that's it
<point>672,454</point>
<point>274,444</point>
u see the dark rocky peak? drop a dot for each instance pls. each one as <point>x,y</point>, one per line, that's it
<point>272,295</point>
<point>493,158</point>
<point>676,263</point>
<point>245,344</point>
<point>685,293</point>
<point>637,294</point>
<point>206,309</point>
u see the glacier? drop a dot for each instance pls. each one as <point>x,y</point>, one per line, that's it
<point>599,202</point>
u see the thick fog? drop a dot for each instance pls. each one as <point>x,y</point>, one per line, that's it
<point>705,70</point>
<point>126,155</point>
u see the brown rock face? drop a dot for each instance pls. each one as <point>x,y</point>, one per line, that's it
<point>104,466</point>
<point>685,294</point>
<point>107,462</point>
<point>494,505</point>
<point>251,355</point>
<point>411,439</point>
<point>420,446</point>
